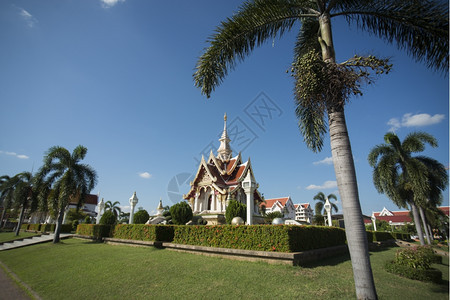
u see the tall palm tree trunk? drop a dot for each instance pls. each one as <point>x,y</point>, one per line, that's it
<point>348,189</point>
<point>425,227</point>
<point>56,238</point>
<point>417,222</point>
<point>19,224</point>
<point>2,217</point>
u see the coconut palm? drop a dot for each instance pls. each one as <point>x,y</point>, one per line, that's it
<point>7,185</point>
<point>69,179</point>
<point>406,179</point>
<point>420,27</point>
<point>319,208</point>
<point>114,208</point>
<point>24,197</point>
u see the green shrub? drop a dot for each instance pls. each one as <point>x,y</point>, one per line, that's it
<point>369,234</point>
<point>140,217</point>
<point>87,220</point>
<point>181,213</point>
<point>108,218</point>
<point>282,238</point>
<point>75,224</point>
<point>24,226</point>
<point>432,275</point>
<point>235,209</point>
<point>95,230</point>
<point>143,232</point>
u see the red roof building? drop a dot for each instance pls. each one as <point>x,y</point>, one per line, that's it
<point>396,218</point>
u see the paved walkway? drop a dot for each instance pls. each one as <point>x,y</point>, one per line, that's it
<point>9,289</point>
<point>32,241</point>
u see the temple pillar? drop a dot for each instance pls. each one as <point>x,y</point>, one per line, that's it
<point>249,186</point>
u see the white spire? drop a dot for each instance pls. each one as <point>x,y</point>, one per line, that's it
<point>224,152</point>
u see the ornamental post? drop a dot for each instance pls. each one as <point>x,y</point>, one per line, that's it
<point>133,202</point>
<point>100,208</point>
<point>249,186</point>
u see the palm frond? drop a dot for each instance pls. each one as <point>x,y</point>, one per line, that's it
<point>415,141</point>
<point>312,123</point>
<point>418,26</point>
<point>254,23</point>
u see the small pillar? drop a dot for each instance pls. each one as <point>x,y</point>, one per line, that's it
<point>249,186</point>
<point>374,222</point>
<point>100,208</point>
<point>133,202</point>
<point>328,209</point>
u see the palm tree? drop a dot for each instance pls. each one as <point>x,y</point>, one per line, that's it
<point>70,180</point>
<point>322,199</point>
<point>405,179</point>
<point>420,27</point>
<point>114,208</point>
<point>24,197</point>
<point>7,185</point>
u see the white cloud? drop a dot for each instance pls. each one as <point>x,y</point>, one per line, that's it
<point>145,175</point>
<point>330,184</point>
<point>125,208</point>
<point>418,120</point>
<point>110,3</point>
<point>29,19</point>
<point>21,156</point>
<point>325,161</point>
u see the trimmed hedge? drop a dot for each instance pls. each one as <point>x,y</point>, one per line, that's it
<point>24,226</point>
<point>48,227</point>
<point>95,230</point>
<point>379,236</point>
<point>35,227</point>
<point>432,275</point>
<point>143,232</point>
<point>282,238</point>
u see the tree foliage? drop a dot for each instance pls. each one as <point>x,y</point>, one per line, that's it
<point>181,213</point>
<point>140,217</point>
<point>108,218</point>
<point>235,209</point>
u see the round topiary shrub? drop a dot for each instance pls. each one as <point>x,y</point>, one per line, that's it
<point>235,209</point>
<point>141,217</point>
<point>75,224</point>
<point>108,218</point>
<point>181,213</point>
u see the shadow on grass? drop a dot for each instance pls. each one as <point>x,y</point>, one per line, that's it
<point>331,261</point>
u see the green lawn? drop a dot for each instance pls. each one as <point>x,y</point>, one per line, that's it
<point>9,236</point>
<point>77,269</point>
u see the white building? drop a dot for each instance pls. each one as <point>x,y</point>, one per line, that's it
<point>303,213</point>
<point>283,205</point>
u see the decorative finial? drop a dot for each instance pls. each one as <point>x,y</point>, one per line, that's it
<point>225,117</point>
<point>224,152</point>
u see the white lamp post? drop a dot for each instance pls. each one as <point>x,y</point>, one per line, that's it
<point>327,207</point>
<point>249,186</point>
<point>133,201</point>
<point>373,222</point>
<point>100,208</point>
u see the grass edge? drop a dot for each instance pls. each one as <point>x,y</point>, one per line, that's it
<point>20,284</point>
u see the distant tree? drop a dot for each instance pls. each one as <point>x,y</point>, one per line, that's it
<point>108,218</point>
<point>181,213</point>
<point>124,217</point>
<point>235,209</point>
<point>75,214</point>
<point>69,179</point>
<point>407,179</point>
<point>322,199</point>
<point>141,217</point>
<point>7,185</point>
<point>24,197</point>
<point>114,207</point>
<point>318,220</point>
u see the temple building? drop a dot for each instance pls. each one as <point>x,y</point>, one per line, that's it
<point>220,179</point>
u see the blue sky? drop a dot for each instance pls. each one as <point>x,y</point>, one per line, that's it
<point>116,77</point>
